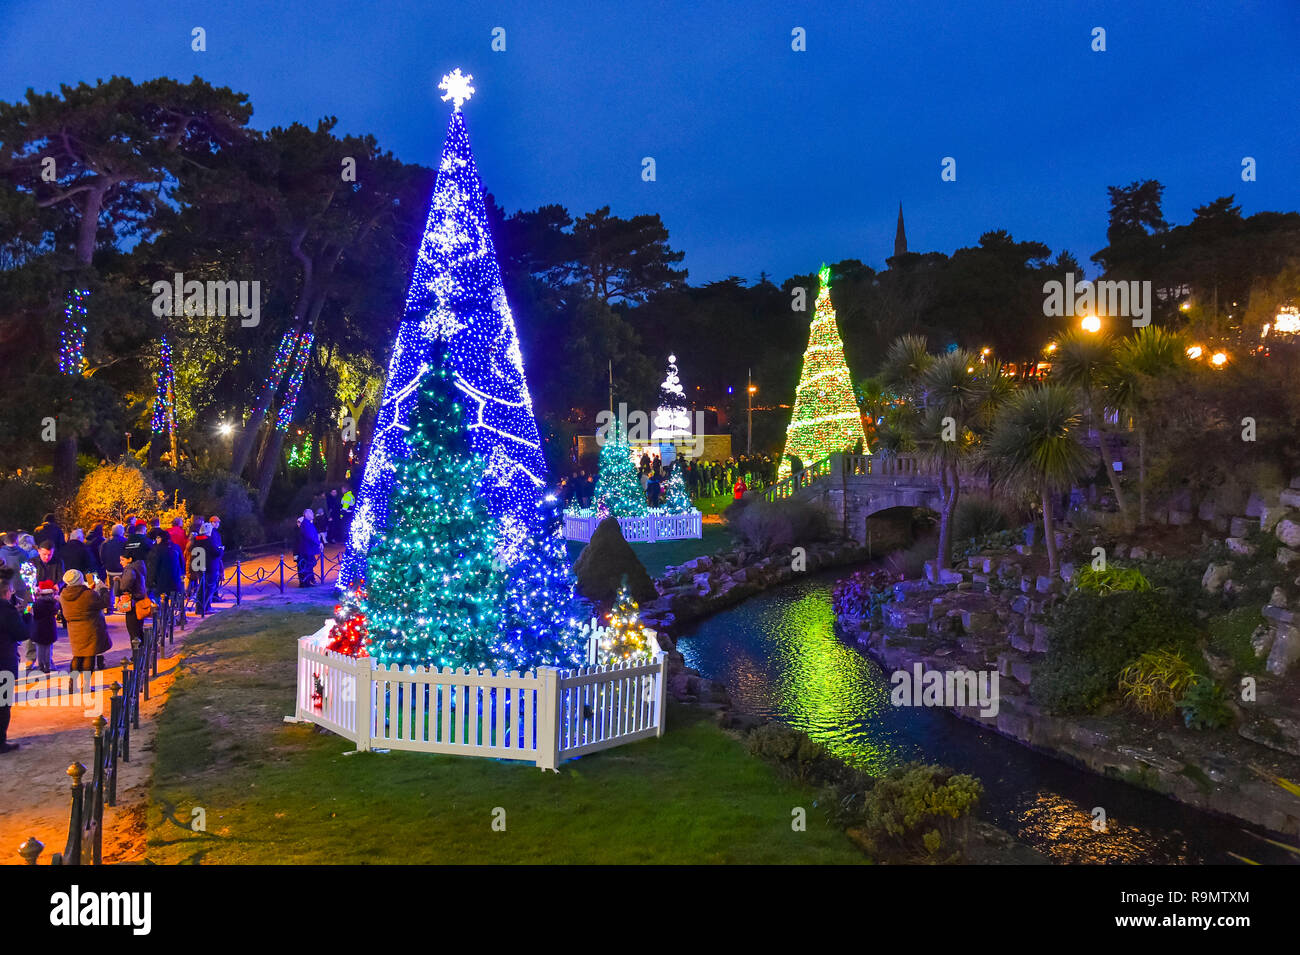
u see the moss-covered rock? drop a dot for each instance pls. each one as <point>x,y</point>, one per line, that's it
<point>603,562</point>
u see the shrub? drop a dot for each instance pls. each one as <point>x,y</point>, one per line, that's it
<point>909,563</point>
<point>863,594</point>
<point>1092,637</point>
<point>1205,705</point>
<point>1154,682</point>
<point>794,752</point>
<point>913,812</point>
<point>978,515</point>
<point>998,540</point>
<point>769,527</point>
<point>23,501</point>
<point>111,492</point>
<point>1110,580</point>
<point>605,560</point>
<point>1231,633</point>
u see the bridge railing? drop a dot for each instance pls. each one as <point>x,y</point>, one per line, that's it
<point>895,468</point>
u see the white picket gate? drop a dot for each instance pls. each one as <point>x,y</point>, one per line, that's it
<point>543,716</point>
<point>641,530</point>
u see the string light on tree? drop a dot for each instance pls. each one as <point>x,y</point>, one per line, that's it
<point>618,487</point>
<point>72,339</point>
<point>627,639</point>
<point>302,349</point>
<point>456,299</point>
<point>826,417</point>
<point>672,418</point>
<point>164,405</point>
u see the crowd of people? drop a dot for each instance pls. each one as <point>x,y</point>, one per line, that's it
<point>51,581</point>
<point>703,479</point>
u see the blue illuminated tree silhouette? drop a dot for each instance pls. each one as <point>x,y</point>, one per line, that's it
<point>456,299</point>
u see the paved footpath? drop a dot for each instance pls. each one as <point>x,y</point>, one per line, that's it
<point>55,730</point>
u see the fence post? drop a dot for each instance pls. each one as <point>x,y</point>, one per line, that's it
<point>30,850</point>
<point>114,711</point>
<point>239,595</point>
<point>322,566</point>
<point>363,694</point>
<point>282,573</point>
<point>71,854</point>
<point>548,720</point>
<point>661,694</point>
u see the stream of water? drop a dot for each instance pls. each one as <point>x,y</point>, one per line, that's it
<point>779,656</point>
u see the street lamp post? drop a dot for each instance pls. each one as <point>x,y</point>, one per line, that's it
<point>749,433</point>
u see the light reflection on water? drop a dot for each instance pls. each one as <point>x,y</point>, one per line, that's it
<point>780,657</point>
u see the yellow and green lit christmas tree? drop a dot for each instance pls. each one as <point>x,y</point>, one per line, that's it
<point>826,417</point>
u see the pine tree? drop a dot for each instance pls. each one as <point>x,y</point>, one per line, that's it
<point>456,299</point>
<point>627,640</point>
<point>433,590</point>
<point>676,498</point>
<point>541,618</point>
<point>826,417</point>
<point>617,483</point>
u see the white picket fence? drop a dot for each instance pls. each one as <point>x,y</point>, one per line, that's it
<point>544,716</point>
<point>640,530</point>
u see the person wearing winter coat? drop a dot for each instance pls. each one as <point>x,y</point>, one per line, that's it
<point>12,632</point>
<point>50,530</point>
<point>94,541</point>
<point>83,609</point>
<point>165,573</point>
<point>218,568</point>
<point>137,541</point>
<point>739,490</point>
<point>308,549</point>
<point>177,532</point>
<point>75,554</point>
<point>45,611</point>
<point>132,582</point>
<point>12,557</point>
<point>202,561</point>
<point>111,551</point>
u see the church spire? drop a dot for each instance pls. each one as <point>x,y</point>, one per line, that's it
<point>900,237</point>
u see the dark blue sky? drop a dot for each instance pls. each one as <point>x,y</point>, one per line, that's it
<point>767,159</point>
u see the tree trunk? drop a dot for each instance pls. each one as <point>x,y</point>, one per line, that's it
<point>1049,534</point>
<point>1109,461</point>
<point>270,464</point>
<point>1142,472</point>
<point>949,491</point>
<point>65,464</point>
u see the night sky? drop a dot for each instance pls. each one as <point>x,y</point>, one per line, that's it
<point>767,159</point>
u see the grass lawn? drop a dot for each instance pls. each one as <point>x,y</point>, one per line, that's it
<point>275,792</point>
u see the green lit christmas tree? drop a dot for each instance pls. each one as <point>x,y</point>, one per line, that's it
<point>826,417</point>
<point>676,499</point>
<point>617,483</point>
<point>433,594</point>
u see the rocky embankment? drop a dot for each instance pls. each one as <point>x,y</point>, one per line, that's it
<point>705,585</point>
<point>989,616</point>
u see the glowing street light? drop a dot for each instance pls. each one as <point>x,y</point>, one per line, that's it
<point>225,428</point>
<point>1091,324</point>
<point>1194,352</point>
<point>1219,359</point>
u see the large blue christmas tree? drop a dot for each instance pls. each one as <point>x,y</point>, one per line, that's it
<point>457,317</point>
<point>456,298</point>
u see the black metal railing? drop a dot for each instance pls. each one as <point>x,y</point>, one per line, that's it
<point>112,738</point>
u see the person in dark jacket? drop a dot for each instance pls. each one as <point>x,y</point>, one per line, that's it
<point>12,632</point>
<point>83,608</point>
<point>308,550</point>
<point>219,568</point>
<point>133,583</point>
<point>75,554</point>
<point>165,575</point>
<point>111,551</point>
<point>51,531</point>
<point>45,612</point>
<point>202,561</point>
<point>334,517</point>
<point>94,541</point>
<point>137,542</point>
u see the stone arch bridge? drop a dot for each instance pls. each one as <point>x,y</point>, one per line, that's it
<point>851,488</point>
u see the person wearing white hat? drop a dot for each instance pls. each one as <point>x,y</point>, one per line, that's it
<point>83,609</point>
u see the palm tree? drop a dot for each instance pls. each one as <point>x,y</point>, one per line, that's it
<point>1142,362</point>
<point>1036,442</point>
<point>905,362</point>
<point>957,396</point>
<point>1088,363</point>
